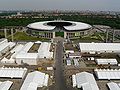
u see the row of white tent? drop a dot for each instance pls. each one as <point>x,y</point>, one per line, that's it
<point>106,61</point>
<point>22,56</point>
<point>100,47</point>
<point>34,80</point>
<point>84,80</point>
<point>107,74</point>
<point>12,72</point>
<point>20,53</point>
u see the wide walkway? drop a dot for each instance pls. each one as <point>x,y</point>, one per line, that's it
<point>60,83</point>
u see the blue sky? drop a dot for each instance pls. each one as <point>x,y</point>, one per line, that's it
<point>104,5</point>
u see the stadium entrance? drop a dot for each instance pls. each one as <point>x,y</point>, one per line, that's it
<point>59,34</point>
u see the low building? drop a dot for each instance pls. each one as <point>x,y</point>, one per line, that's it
<point>27,58</point>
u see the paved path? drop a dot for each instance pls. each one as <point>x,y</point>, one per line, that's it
<point>60,83</point>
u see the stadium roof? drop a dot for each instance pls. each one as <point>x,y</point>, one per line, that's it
<point>43,25</point>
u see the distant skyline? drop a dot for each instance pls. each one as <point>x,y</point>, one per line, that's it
<point>92,5</point>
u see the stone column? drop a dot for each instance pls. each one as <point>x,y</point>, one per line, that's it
<point>12,34</point>
<point>53,34</point>
<point>65,34</point>
<point>5,32</point>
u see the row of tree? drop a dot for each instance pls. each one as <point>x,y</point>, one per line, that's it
<point>93,20</point>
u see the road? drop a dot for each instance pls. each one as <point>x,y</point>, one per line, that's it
<point>60,83</point>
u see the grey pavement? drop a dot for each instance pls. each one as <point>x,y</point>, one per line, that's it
<point>60,83</point>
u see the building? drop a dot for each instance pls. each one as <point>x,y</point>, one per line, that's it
<point>27,58</point>
<point>52,29</point>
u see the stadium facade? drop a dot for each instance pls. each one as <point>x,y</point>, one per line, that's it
<point>52,29</point>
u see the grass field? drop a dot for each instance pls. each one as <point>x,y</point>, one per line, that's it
<point>96,37</point>
<point>22,36</point>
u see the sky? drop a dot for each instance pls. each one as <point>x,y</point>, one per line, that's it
<point>92,5</point>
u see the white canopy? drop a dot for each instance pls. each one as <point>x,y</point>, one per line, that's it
<point>108,73</point>
<point>12,72</point>
<point>87,80</point>
<point>35,79</point>
<point>113,86</point>
<point>106,61</point>
<point>5,85</point>
<point>100,47</point>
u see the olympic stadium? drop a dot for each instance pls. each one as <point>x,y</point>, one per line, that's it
<point>52,29</point>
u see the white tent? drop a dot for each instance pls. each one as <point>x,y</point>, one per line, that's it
<point>100,47</point>
<point>35,79</point>
<point>4,46</point>
<point>17,48</point>
<point>106,61</point>
<point>5,60</point>
<point>5,85</point>
<point>86,81</point>
<point>107,74</point>
<point>74,81</point>
<point>11,44</point>
<point>27,46</point>
<point>113,86</point>
<point>43,50</point>
<point>12,72</point>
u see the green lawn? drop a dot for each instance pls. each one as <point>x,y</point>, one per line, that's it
<point>21,36</point>
<point>97,37</point>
